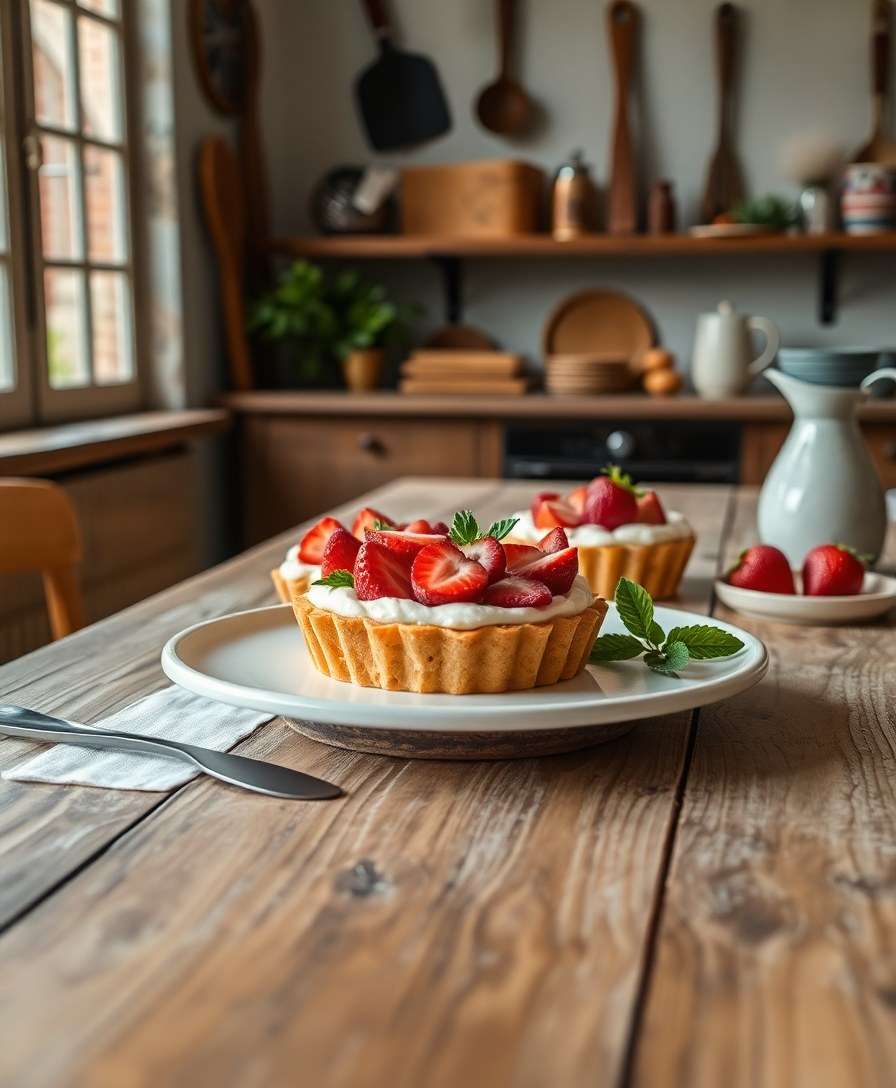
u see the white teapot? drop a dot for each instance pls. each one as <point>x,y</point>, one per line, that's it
<point>724,360</point>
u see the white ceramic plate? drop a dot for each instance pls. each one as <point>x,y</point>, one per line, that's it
<point>728,230</point>
<point>878,596</point>
<point>258,659</point>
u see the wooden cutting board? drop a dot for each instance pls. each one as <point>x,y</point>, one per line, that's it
<point>509,387</point>
<point>600,321</point>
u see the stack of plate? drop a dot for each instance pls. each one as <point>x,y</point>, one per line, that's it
<point>829,366</point>
<point>579,372</point>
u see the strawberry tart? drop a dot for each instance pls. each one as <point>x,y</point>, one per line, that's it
<point>458,612</point>
<point>619,530</point>
<point>306,560</point>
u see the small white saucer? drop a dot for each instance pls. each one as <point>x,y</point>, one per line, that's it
<point>878,596</point>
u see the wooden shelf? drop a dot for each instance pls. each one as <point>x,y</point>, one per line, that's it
<point>597,245</point>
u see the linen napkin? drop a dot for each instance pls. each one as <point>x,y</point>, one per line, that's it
<point>172,713</point>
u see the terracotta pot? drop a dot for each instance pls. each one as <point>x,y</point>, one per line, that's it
<point>363,369</point>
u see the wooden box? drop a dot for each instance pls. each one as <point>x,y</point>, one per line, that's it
<point>489,199</point>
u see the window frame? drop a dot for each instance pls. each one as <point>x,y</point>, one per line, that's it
<point>93,400</point>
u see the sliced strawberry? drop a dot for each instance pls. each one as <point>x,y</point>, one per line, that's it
<point>440,527</point>
<point>366,519</point>
<point>421,525</point>
<point>555,541</point>
<point>576,498</point>
<point>442,574</point>
<point>403,541</point>
<point>311,546</point>
<point>557,570</point>
<point>340,552</point>
<point>380,572</point>
<point>650,509</point>
<point>520,554</point>
<point>543,496</point>
<point>516,592</point>
<point>488,553</point>
<point>550,513</point>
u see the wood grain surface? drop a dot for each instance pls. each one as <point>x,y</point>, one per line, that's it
<point>444,923</point>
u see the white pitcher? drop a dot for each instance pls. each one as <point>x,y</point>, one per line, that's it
<point>823,487</point>
<point>724,360</point>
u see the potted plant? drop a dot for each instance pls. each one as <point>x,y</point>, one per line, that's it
<point>369,324</point>
<point>297,320</point>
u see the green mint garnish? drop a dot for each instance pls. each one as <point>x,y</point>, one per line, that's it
<point>464,528</point>
<point>666,654</point>
<point>337,579</point>
<point>500,529</point>
<point>621,479</point>
<point>380,525</point>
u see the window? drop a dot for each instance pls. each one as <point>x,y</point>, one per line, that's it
<point>72,259</point>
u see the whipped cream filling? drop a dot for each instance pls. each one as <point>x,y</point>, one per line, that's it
<point>292,568</point>
<point>463,617</point>
<point>676,528</point>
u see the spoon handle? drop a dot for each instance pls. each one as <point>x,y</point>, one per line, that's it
<point>506,18</point>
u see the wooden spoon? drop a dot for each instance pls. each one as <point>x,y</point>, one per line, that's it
<point>503,106</point>
<point>880,148</point>
<point>622,26</point>
<point>724,187</point>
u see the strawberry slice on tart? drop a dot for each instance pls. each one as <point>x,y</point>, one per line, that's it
<point>381,572</point>
<point>489,553</point>
<point>556,570</point>
<point>612,499</point>
<point>514,591</point>
<point>312,544</point>
<point>550,511</point>
<point>650,510</point>
<point>404,542</point>
<point>340,552</point>
<point>554,541</point>
<point>519,554</point>
<point>368,518</point>
<point>442,574</point>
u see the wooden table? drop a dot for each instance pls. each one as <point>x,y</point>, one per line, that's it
<point>709,901</point>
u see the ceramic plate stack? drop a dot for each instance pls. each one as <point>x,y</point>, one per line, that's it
<point>593,342</point>
<point>829,366</point>
<point>571,373</point>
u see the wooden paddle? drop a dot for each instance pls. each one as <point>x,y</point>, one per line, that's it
<point>724,187</point>
<point>879,148</point>
<point>622,26</point>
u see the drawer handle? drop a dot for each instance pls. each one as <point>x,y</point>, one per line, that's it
<point>369,443</point>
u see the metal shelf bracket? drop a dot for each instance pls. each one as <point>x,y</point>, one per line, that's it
<point>452,273</point>
<point>828,284</point>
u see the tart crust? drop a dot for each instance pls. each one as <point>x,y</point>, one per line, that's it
<point>425,658</point>
<point>657,567</point>
<point>288,587</point>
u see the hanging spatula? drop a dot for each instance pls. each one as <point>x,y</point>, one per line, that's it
<point>724,185</point>
<point>399,96</point>
<point>879,148</point>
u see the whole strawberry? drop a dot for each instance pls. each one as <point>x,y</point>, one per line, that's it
<point>764,568</point>
<point>611,500</point>
<point>832,570</point>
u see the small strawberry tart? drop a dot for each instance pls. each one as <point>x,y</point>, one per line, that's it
<point>306,560</point>
<point>619,530</point>
<point>458,612</point>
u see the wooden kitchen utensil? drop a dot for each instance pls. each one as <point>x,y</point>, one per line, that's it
<point>724,185</point>
<point>879,148</point>
<point>399,96</point>
<point>598,322</point>
<point>622,25</point>
<point>503,106</point>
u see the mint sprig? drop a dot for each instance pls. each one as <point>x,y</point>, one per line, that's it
<point>665,654</point>
<point>337,579</point>
<point>500,529</point>
<point>464,528</point>
<point>379,525</point>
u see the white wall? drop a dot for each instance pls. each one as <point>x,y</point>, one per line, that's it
<point>805,67</point>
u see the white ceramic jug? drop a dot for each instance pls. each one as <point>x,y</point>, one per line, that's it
<point>823,487</point>
<point>724,360</point>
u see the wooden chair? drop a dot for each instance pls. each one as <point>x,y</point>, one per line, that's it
<point>39,531</point>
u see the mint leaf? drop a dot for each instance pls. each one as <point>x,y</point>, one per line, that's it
<point>380,525</point>
<point>616,648</point>
<point>337,579</point>
<point>464,528</point>
<point>661,662</point>
<point>500,529</point>
<point>677,655</point>
<point>704,641</point>
<point>635,607</point>
<point>656,635</point>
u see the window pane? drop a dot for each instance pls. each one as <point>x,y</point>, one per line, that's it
<point>100,86</point>
<point>60,200</point>
<point>7,369</point>
<point>54,79</point>
<point>104,7</point>
<point>112,346</point>
<point>104,179</point>
<point>67,359</point>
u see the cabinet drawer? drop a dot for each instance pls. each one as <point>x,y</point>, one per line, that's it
<point>294,467</point>
<point>881,439</point>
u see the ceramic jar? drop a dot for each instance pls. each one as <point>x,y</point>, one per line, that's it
<point>868,202</point>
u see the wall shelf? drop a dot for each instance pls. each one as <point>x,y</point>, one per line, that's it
<point>449,252</point>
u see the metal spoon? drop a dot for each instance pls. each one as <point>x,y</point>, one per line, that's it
<point>251,774</point>
<point>503,106</point>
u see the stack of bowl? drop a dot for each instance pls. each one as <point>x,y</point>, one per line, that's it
<point>829,366</point>
<point>580,372</point>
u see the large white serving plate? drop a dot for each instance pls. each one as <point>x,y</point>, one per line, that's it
<point>258,659</point>
<point>878,596</point>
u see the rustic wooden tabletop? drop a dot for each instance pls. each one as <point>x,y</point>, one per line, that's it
<point>710,900</point>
